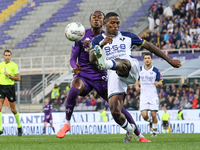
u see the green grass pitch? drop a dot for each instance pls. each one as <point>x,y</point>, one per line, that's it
<point>100,142</point>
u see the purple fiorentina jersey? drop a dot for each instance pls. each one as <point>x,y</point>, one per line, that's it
<point>47,109</point>
<point>81,53</point>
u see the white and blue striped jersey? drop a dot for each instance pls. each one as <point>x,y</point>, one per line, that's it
<point>121,45</point>
<point>147,78</point>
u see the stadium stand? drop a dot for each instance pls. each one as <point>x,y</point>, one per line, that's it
<point>135,19</point>
<point>10,7</point>
<point>5,4</point>
<point>184,32</point>
<point>61,15</point>
<point>37,33</point>
<point>28,20</point>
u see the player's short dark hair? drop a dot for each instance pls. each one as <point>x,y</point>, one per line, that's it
<point>110,14</point>
<point>147,53</point>
<point>7,51</point>
<point>94,12</point>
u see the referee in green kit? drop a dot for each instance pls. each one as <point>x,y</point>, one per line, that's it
<point>9,73</point>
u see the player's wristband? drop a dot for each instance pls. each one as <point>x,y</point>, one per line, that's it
<point>9,76</point>
<point>92,50</point>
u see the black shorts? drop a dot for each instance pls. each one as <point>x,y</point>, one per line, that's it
<point>8,91</point>
<point>165,123</point>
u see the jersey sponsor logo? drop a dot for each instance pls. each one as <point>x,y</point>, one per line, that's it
<point>146,78</point>
<point>115,49</point>
<point>115,56</point>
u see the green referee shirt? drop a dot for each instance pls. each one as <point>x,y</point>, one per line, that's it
<point>12,69</point>
<point>165,116</point>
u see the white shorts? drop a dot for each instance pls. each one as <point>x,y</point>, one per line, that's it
<point>117,84</point>
<point>149,104</point>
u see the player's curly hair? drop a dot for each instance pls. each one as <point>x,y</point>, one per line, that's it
<point>96,11</point>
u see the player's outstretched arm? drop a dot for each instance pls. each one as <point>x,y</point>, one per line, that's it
<point>175,63</point>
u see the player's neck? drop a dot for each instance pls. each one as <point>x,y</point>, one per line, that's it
<point>6,62</point>
<point>147,66</point>
<point>106,33</point>
<point>96,31</point>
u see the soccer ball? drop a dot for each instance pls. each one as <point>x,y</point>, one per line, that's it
<point>74,31</point>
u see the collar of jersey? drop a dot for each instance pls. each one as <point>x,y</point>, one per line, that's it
<point>8,62</point>
<point>149,68</point>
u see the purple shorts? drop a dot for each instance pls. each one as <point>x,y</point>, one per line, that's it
<point>50,120</point>
<point>99,85</point>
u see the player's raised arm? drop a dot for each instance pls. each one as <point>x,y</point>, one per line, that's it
<point>175,63</point>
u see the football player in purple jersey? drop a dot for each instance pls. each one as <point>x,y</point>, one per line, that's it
<point>48,109</point>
